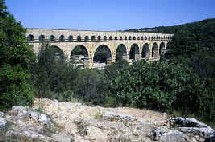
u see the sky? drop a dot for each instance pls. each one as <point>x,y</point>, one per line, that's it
<point>108,14</point>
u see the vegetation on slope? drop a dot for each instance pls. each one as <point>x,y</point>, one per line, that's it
<point>193,45</point>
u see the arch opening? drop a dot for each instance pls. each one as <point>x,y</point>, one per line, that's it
<point>51,38</point>
<point>78,38</point>
<point>121,53</point>
<point>145,51</point>
<point>102,56</point>
<point>145,38</point>
<point>105,38</point>
<point>70,38</point>
<point>142,38</point>
<point>134,53</point>
<point>130,38</point>
<point>54,53</point>
<point>86,38</point>
<point>30,37</point>
<point>79,56</point>
<point>61,38</point>
<point>99,38</point>
<point>155,52</point>
<point>93,38</point>
<point>41,38</point>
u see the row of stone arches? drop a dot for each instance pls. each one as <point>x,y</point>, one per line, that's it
<point>70,38</point>
<point>103,54</point>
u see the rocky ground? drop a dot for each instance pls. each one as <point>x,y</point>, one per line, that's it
<point>50,120</point>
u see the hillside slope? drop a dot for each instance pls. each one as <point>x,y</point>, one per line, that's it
<point>193,45</point>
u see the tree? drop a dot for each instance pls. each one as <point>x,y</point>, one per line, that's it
<point>15,60</point>
<point>91,86</point>
<point>52,75</point>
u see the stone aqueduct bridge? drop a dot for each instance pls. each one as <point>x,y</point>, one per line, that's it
<point>148,46</point>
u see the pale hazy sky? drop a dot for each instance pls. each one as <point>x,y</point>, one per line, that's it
<point>108,14</point>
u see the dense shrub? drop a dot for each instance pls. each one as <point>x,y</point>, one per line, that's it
<point>163,86</point>
<point>15,59</point>
<point>91,87</point>
<point>52,76</point>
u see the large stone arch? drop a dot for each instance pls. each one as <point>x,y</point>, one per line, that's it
<point>80,56</point>
<point>155,50</point>
<point>106,56</point>
<point>56,51</point>
<point>134,53</point>
<point>145,51</point>
<point>121,52</point>
<point>64,46</point>
<point>80,49</point>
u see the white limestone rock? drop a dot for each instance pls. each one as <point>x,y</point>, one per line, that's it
<point>43,119</point>
<point>2,120</point>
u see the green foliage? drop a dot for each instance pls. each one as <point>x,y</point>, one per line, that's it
<point>203,64</point>
<point>91,86</point>
<point>148,85</point>
<point>161,86</point>
<point>193,46</point>
<point>52,76</point>
<point>206,101</point>
<point>15,60</point>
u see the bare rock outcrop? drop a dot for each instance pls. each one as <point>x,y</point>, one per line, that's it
<point>184,129</point>
<point>25,124</point>
<point>50,120</point>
